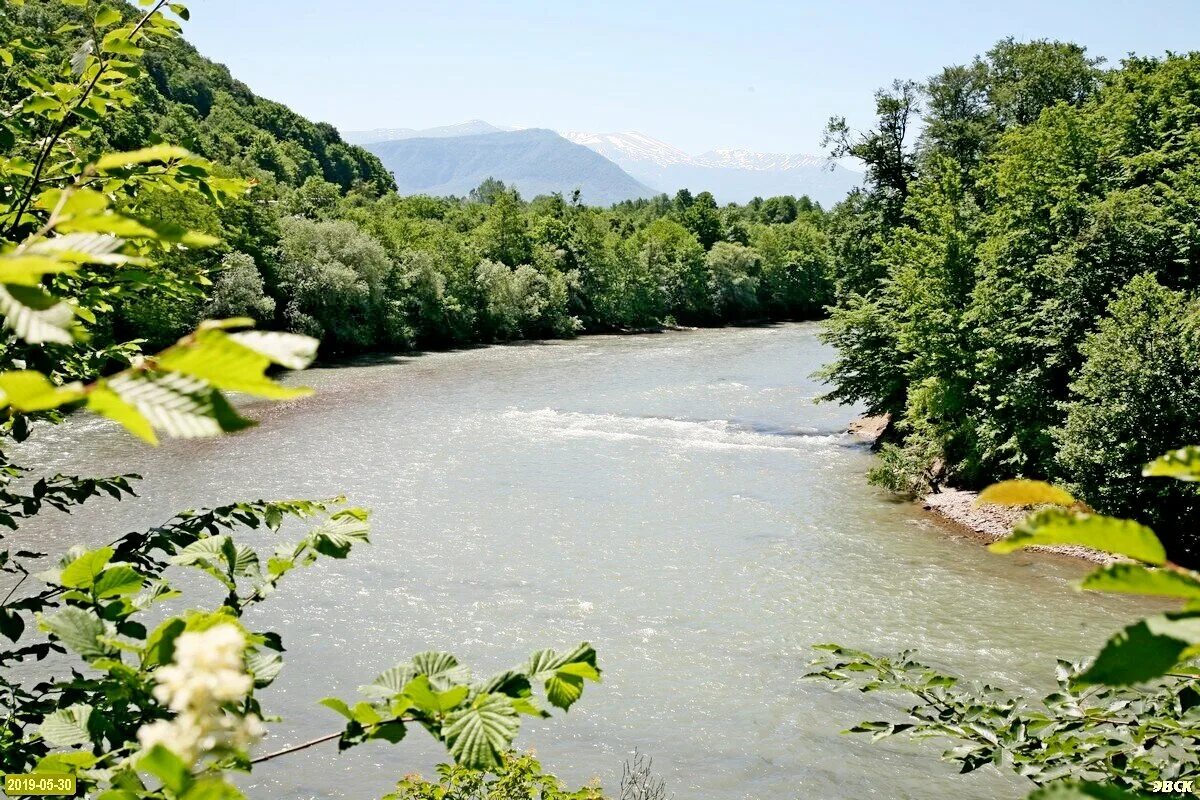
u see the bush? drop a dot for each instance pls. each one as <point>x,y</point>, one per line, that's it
<point>238,291</point>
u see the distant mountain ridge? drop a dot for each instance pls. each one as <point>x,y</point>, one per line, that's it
<point>472,127</point>
<point>733,175</point>
<point>535,161</point>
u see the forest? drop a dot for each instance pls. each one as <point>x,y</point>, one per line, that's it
<point>1016,285</point>
<point>322,245</point>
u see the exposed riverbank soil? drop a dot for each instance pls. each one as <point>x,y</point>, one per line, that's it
<point>991,522</point>
<point>958,506</point>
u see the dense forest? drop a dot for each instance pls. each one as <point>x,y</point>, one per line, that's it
<point>1017,283</point>
<point>322,245</point>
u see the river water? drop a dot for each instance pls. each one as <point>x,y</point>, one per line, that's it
<point>677,499</point>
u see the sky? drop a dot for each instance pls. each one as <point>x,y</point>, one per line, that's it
<point>699,75</point>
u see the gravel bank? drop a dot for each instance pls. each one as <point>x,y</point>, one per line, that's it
<point>992,522</point>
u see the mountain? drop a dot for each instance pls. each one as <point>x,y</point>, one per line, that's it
<point>535,160</point>
<point>733,176</point>
<point>469,128</point>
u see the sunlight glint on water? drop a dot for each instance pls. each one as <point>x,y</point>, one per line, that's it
<point>677,499</point>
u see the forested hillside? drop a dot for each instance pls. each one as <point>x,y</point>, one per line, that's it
<point>321,244</point>
<point>190,100</point>
<point>1016,286</point>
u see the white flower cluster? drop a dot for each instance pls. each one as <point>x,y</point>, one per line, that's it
<point>206,673</point>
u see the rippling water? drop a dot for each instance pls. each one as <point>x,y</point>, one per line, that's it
<point>677,499</point>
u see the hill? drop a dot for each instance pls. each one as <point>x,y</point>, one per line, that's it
<point>189,99</point>
<point>535,161</point>
<point>733,176</point>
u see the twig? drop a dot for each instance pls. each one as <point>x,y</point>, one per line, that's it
<point>296,748</point>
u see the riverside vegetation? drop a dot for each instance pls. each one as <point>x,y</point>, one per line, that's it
<point>1017,289</point>
<point>133,704</point>
<point>1014,288</point>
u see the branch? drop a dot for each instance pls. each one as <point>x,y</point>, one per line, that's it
<point>297,748</point>
<point>52,140</point>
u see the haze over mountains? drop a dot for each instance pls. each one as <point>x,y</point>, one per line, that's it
<point>453,159</point>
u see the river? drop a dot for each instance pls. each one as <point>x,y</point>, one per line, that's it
<point>677,499</point>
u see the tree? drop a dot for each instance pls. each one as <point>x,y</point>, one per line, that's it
<point>885,151</point>
<point>238,291</point>
<point>1137,394</point>
<point>733,278</point>
<point>333,275</point>
<point>140,703</point>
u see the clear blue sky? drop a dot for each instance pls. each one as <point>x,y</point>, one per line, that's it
<point>760,75</point>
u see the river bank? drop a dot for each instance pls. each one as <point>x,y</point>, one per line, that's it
<point>961,507</point>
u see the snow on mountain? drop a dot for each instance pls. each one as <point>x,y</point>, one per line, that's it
<point>734,175</point>
<point>747,159</point>
<point>632,146</point>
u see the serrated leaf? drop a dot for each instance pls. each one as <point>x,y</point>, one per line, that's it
<point>265,665</point>
<point>1056,526</point>
<point>1145,650</point>
<point>78,629</point>
<point>1137,579</point>
<point>83,248</point>
<point>67,727</point>
<point>212,355</point>
<point>80,56</point>
<point>337,705</point>
<point>178,405</point>
<point>479,735</point>
<point>82,572</point>
<point>146,155</point>
<point>339,533</point>
<point>34,315</point>
<point>107,403</point>
<point>1021,492</point>
<point>289,350</point>
<point>117,581</point>
<point>27,269</point>
<point>27,390</point>
<point>1182,465</point>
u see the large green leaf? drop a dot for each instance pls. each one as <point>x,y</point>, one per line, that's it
<point>159,152</point>
<point>83,571</point>
<point>117,581</point>
<point>1138,579</point>
<point>67,727</point>
<point>28,390</point>
<point>563,673</point>
<point>340,532</point>
<point>1145,650</point>
<point>78,629</point>
<point>1056,526</point>
<point>35,316</point>
<point>1182,464</point>
<point>481,733</point>
<point>210,354</point>
<point>290,350</point>
<point>1021,492</point>
<point>178,405</point>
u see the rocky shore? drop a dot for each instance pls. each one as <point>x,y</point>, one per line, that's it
<point>991,522</point>
<point>959,507</point>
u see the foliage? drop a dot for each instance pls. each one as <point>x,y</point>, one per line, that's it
<point>1127,721</point>
<point>985,278</point>
<point>136,701</point>
<point>519,777</point>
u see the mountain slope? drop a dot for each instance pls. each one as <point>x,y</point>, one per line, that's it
<point>536,161</point>
<point>733,176</point>
<point>189,99</point>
